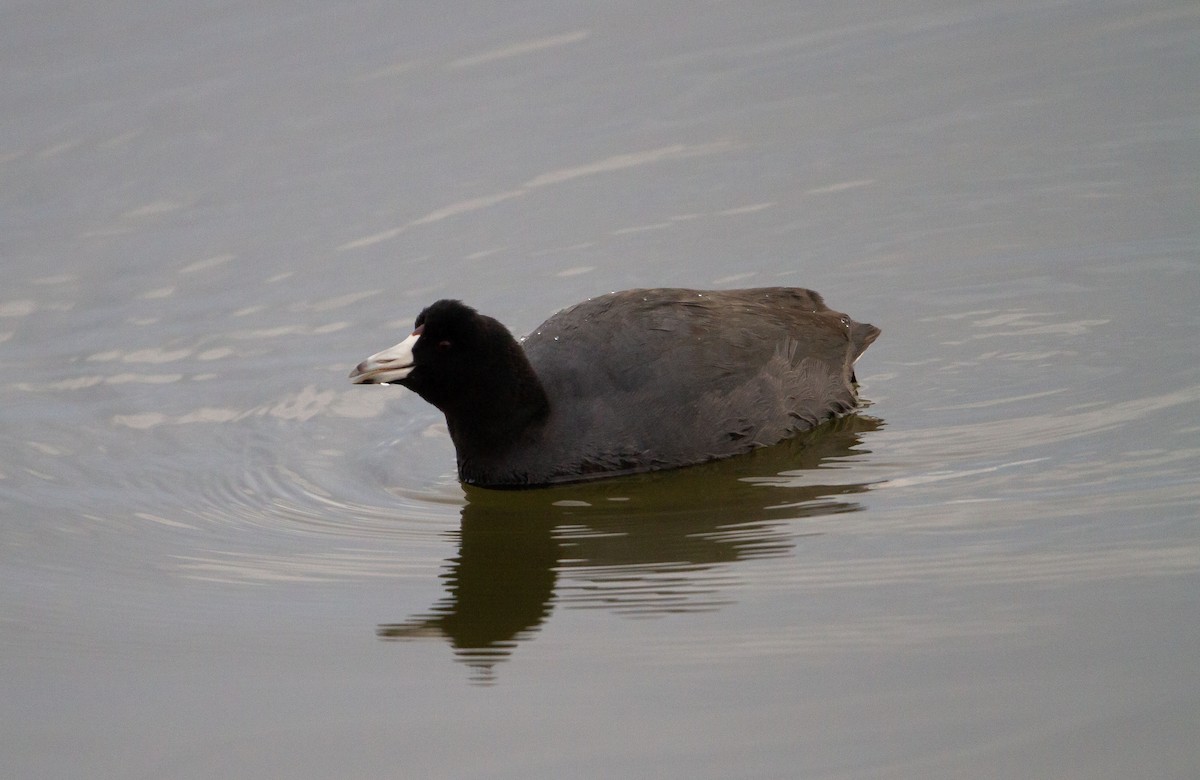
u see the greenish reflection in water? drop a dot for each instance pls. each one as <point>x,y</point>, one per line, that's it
<point>647,544</point>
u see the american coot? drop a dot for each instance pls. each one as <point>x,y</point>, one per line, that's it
<point>631,381</point>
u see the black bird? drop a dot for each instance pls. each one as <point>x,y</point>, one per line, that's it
<point>627,382</point>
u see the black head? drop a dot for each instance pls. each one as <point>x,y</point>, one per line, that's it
<point>457,359</point>
<point>455,353</point>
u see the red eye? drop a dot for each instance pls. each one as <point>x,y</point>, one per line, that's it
<point>444,345</point>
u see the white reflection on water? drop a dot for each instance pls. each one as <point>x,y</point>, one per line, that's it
<point>519,49</point>
<point>983,566</point>
<point>357,564</point>
<point>207,263</point>
<point>607,165</point>
<point>305,404</point>
<point>1019,433</point>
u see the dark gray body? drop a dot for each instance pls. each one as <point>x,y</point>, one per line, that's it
<point>652,379</point>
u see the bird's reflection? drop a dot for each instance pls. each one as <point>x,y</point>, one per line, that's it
<point>651,543</point>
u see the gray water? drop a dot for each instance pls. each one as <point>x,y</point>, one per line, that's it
<point>220,559</point>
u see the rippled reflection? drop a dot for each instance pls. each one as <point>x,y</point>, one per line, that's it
<point>651,544</point>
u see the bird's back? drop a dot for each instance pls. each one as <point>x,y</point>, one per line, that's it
<point>647,379</point>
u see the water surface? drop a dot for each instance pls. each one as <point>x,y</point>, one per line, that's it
<point>219,558</point>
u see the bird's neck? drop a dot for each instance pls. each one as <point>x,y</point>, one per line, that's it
<point>486,429</point>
